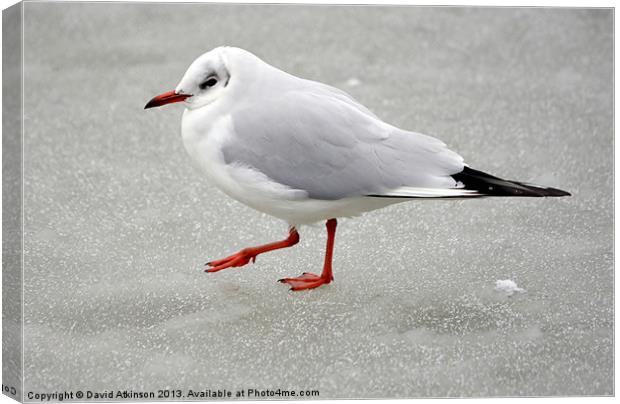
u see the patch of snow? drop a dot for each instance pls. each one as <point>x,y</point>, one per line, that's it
<point>508,287</point>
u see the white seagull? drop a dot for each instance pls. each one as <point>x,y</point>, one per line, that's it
<point>304,152</point>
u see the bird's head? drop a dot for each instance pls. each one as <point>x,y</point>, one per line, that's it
<point>206,79</point>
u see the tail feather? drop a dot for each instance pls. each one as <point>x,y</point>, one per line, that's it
<point>489,185</point>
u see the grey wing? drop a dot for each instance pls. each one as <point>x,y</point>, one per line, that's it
<point>332,149</point>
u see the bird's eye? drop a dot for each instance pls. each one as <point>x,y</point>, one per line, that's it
<point>210,82</point>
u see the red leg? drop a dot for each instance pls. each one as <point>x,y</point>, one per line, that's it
<point>244,256</point>
<point>309,280</point>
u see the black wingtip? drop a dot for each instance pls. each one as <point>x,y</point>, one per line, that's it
<point>555,192</point>
<point>489,185</point>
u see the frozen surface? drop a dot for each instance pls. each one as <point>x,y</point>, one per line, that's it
<point>118,222</point>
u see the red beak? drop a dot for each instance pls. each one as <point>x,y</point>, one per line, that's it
<point>166,98</point>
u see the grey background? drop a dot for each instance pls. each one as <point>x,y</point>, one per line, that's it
<point>118,221</point>
<point>12,118</point>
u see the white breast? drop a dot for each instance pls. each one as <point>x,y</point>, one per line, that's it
<point>203,143</point>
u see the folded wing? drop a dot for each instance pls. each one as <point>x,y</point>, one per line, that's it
<point>323,142</point>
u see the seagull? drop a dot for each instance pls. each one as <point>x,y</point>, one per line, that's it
<point>306,152</point>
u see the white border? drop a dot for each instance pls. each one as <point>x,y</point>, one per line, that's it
<point>484,3</point>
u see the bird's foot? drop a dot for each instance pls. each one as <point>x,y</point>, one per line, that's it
<point>249,254</point>
<point>236,260</point>
<point>307,281</point>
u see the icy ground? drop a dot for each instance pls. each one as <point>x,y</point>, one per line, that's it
<point>118,222</point>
